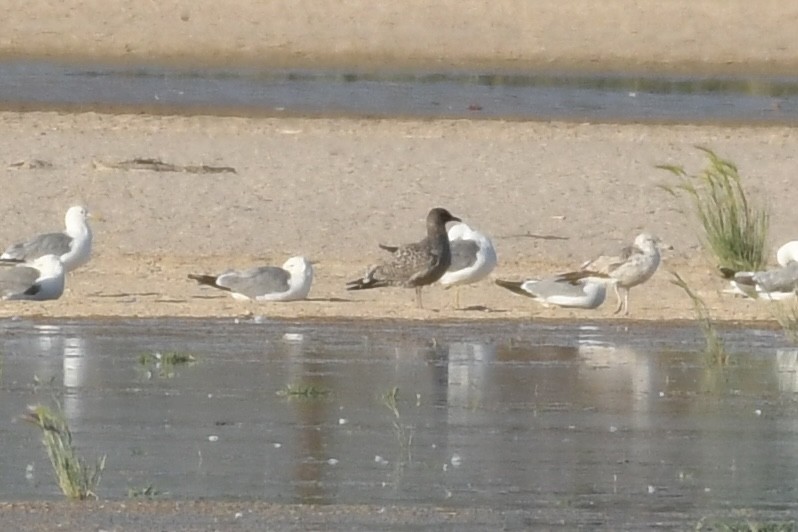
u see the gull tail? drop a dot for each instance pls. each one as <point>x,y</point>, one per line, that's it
<point>512,286</point>
<point>575,277</point>
<point>209,280</point>
<point>744,278</point>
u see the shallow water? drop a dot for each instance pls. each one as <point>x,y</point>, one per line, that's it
<point>588,97</point>
<point>593,424</point>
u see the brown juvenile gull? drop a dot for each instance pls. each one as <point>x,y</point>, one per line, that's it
<point>264,283</point>
<point>633,266</point>
<point>414,265</point>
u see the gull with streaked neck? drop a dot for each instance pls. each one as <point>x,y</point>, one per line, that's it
<point>633,266</point>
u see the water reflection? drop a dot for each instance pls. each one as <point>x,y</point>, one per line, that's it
<point>529,417</point>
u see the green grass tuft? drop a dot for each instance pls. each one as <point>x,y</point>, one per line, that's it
<point>76,479</point>
<point>715,350</point>
<point>735,230</point>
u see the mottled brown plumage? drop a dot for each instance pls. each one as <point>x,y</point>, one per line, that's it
<point>413,265</point>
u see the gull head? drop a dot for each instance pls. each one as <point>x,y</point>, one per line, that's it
<point>440,216</point>
<point>298,266</point>
<point>76,216</point>
<point>460,231</point>
<point>648,241</point>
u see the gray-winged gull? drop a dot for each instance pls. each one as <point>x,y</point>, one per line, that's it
<point>265,283</point>
<point>414,265</point>
<point>473,258</point>
<point>587,292</point>
<point>776,284</point>
<point>633,266</point>
<point>38,280</point>
<point>73,246</point>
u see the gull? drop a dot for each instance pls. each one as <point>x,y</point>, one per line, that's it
<point>413,265</point>
<point>585,292</point>
<point>633,266</point>
<point>38,280</point>
<point>776,284</point>
<point>473,258</point>
<point>291,282</point>
<point>72,247</point>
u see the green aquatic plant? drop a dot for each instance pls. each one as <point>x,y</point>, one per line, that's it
<point>147,492</point>
<point>402,431</point>
<point>75,477</point>
<point>735,229</point>
<point>714,350</point>
<point>744,525</point>
<point>164,364</point>
<point>304,391</point>
<point>787,317</point>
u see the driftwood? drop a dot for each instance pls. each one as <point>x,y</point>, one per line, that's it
<point>155,165</point>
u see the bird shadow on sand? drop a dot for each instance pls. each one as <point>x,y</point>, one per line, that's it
<point>330,300</point>
<point>479,308</point>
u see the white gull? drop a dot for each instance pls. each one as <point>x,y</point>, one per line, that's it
<point>72,247</point>
<point>290,282</point>
<point>774,285</point>
<point>585,292</point>
<point>38,280</point>
<point>473,258</point>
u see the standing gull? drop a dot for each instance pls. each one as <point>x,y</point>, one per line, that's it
<point>73,246</point>
<point>587,292</point>
<point>265,283</point>
<point>633,266</point>
<point>473,258</point>
<point>414,265</point>
<point>40,279</point>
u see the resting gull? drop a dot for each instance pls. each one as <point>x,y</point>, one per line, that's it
<point>633,266</point>
<point>265,283</point>
<point>414,265</point>
<point>73,246</point>
<point>776,284</point>
<point>38,280</point>
<point>587,292</point>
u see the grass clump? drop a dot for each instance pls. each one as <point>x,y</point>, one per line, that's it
<point>735,230</point>
<point>715,350</point>
<point>76,478</point>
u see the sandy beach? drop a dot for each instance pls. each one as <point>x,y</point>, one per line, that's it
<point>550,194</point>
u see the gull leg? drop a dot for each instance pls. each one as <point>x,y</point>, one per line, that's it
<point>620,301</point>
<point>626,302</point>
<point>418,297</point>
<point>457,297</point>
